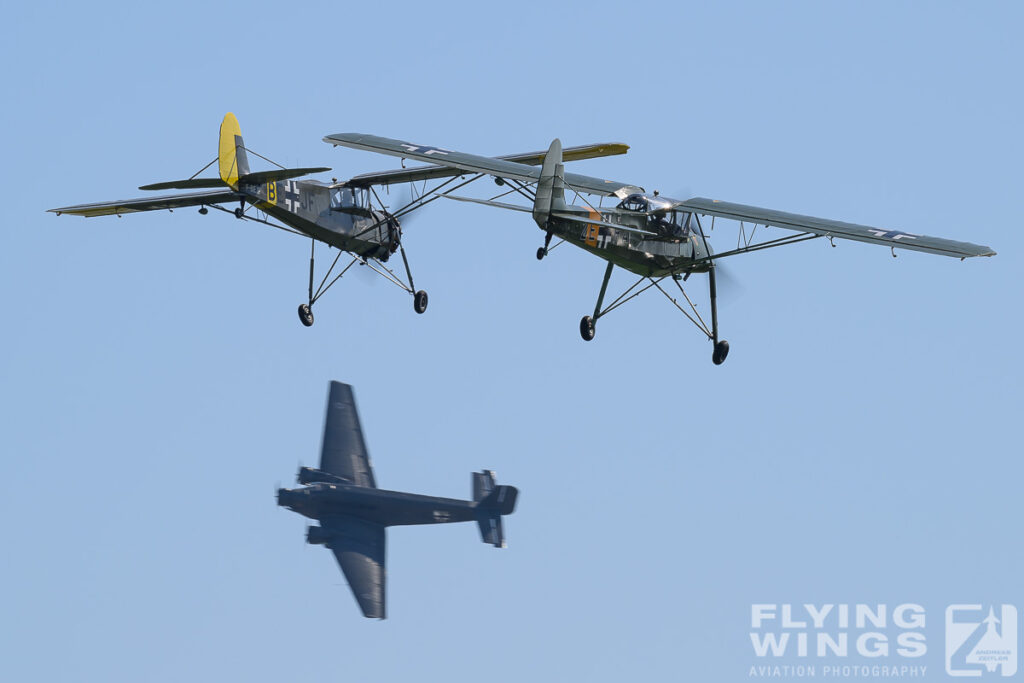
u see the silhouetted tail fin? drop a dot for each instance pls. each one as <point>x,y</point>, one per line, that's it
<point>492,502</point>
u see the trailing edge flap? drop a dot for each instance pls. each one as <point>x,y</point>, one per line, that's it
<point>260,177</point>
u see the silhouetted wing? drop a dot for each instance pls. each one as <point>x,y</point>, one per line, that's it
<point>359,547</point>
<point>173,201</point>
<point>831,228</point>
<point>499,168</point>
<point>344,452</point>
<point>418,173</point>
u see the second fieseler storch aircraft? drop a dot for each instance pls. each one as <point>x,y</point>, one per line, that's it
<point>342,495</point>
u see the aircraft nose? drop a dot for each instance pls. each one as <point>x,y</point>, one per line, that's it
<point>283,497</point>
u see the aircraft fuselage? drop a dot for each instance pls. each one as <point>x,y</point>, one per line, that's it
<point>387,508</point>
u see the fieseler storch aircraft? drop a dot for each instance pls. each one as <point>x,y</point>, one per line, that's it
<point>349,216</point>
<point>342,495</point>
<point>659,239</point>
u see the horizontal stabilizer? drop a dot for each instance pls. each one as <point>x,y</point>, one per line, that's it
<point>260,177</point>
<point>492,531</point>
<point>190,184</point>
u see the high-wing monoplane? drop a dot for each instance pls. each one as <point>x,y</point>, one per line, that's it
<point>349,216</point>
<point>342,495</point>
<point>659,239</point>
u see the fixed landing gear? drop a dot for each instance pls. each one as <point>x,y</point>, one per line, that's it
<point>720,352</point>
<point>419,301</point>
<point>306,315</point>
<point>587,329</point>
<point>543,251</point>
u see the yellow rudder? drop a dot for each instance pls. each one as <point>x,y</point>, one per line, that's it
<point>231,152</point>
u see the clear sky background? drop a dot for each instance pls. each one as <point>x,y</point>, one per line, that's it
<point>860,445</point>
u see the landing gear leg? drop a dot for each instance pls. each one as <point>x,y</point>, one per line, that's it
<point>588,323</point>
<point>543,251</point>
<point>306,310</point>
<point>721,348</point>
<point>419,298</point>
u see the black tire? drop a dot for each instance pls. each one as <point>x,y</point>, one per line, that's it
<point>721,351</point>
<point>541,253</point>
<point>419,302</point>
<point>587,329</point>
<point>238,213</point>
<point>306,315</point>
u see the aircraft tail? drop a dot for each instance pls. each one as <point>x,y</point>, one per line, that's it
<point>550,186</point>
<point>231,156</point>
<point>492,501</point>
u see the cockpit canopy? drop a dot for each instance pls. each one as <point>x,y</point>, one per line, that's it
<point>662,218</point>
<point>349,199</point>
<point>644,203</point>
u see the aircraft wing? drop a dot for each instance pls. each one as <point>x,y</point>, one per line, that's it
<point>359,547</point>
<point>831,228</point>
<point>418,173</point>
<point>172,201</point>
<point>344,452</point>
<point>472,163</point>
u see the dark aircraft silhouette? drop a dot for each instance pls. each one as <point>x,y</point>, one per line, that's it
<point>353,513</point>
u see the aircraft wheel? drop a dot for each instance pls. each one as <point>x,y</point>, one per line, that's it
<point>541,253</point>
<point>720,352</point>
<point>419,302</point>
<point>587,330</point>
<point>238,213</point>
<point>306,315</point>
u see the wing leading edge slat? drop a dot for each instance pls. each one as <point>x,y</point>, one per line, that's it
<point>831,228</point>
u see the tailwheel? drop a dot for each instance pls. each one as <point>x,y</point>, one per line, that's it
<point>419,301</point>
<point>587,329</point>
<point>306,315</point>
<point>541,253</point>
<point>720,352</point>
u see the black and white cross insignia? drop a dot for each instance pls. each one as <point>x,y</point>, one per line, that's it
<point>291,195</point>
<point>427,151</point>
<point>892,234</point>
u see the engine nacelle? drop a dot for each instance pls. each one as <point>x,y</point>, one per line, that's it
<point>317,535</point>
<point>311,475</point>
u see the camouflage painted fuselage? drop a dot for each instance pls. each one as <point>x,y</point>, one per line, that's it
<point>656,246</point>
<point>333,214</point>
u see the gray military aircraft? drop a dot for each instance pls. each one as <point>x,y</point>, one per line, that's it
<point>353,513</point>
<point>652,236</point>
<point>349,216</point>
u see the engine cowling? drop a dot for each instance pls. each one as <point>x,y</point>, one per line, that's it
<point>311,475</point>
<point>317,535</point>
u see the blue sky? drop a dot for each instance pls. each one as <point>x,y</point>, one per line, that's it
<point>859,446</point>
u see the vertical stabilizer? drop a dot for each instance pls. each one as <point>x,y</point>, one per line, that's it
<point>231,152</point>
<point>483,483</point>
<point>550,186</point>
<point>492,502</point>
